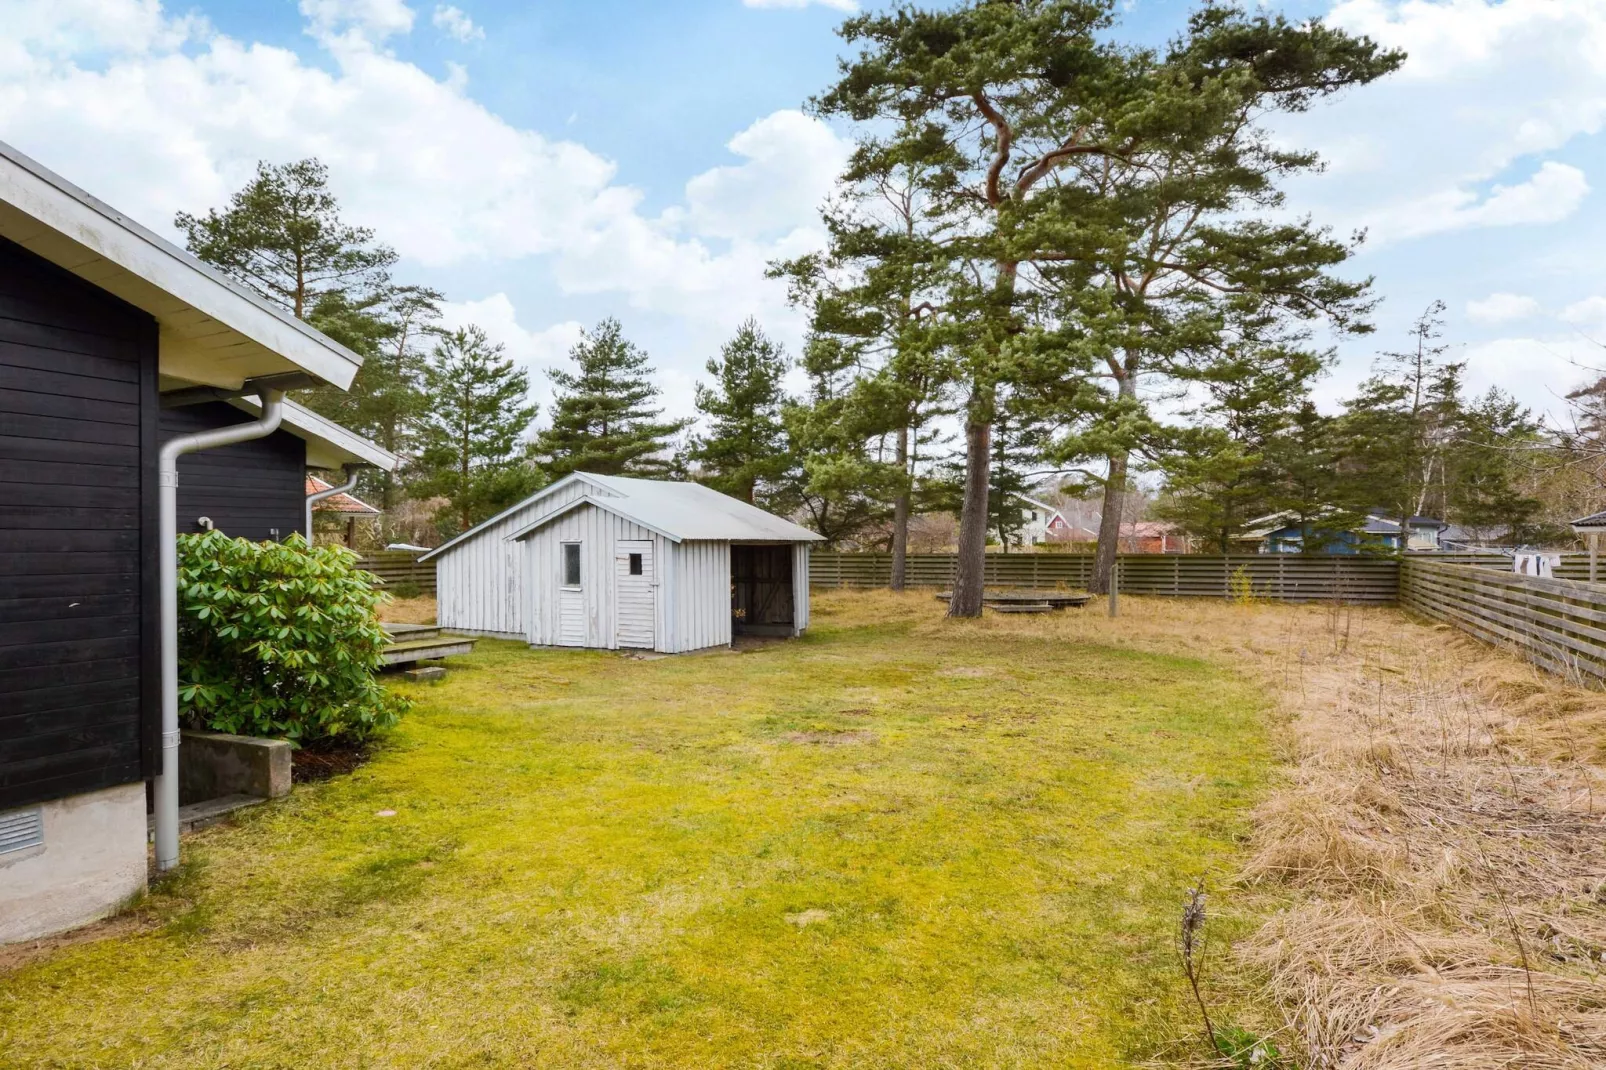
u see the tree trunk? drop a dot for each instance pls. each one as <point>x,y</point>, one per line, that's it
<point>1109,525</point>
<point>900,516</point>
<point>1114,506</point>
<point>970,571</point>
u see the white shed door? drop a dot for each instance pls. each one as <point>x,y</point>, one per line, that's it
<point>636,594</point>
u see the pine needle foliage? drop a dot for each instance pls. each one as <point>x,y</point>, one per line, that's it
<point>604,417</point>
<point>744,453</point>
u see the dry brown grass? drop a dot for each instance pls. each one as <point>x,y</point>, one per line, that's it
<point>420,610</point>
<point>1434,864</point>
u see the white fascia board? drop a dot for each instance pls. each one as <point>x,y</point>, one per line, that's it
<point>607,505</point>
<point>101,231</point>
<point>573,477</point>
<point>346,445</point>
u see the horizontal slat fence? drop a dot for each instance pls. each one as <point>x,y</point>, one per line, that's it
<point>398,568</point>
<point>1557,623</point>
<point>1280,577</point>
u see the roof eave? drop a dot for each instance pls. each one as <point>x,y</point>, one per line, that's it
<point>207,320</point>
<point>303,422</point>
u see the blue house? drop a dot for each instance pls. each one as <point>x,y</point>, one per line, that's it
<point>1282,533</point>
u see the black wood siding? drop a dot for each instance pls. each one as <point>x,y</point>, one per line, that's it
<point>253,490</point>
<point>79,700</point>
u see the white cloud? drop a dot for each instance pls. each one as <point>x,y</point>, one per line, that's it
<point>454,23</point>
<point>790,162</point>
<point>1590,312</point>
<point>1552,194</point>
<point>1487,86</point>
<point>1502,308</point>
<point>840,5</point>
<point>535,350</point>
<point>1537,370</point>
<point>369,21</point>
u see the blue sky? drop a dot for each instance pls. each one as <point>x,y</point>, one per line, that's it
<point>546,164</point>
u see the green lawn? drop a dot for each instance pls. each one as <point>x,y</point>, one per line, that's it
<point>898,842</point>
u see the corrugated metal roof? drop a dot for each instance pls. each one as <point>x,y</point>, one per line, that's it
<point>683,511</point>
<point>1593,520</point>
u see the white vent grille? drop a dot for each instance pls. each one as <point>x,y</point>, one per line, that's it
<point>21,828</point>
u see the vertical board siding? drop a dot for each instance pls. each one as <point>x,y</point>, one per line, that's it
<point>801,554</point>
<point>78,425</point>
<point>702,595</point>
<point>559,617</point>
<point>479,582</point>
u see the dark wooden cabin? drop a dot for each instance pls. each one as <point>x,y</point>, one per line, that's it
<point>99,320</point>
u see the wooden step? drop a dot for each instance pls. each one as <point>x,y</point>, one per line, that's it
<point>401,633</point>
<point>1018,607</point>
<point>412,651</point>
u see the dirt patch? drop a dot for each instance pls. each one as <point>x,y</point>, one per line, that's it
<point>804,918</point>
<point>852,737</point>
<point>15,956</point>
<point>311,766</point>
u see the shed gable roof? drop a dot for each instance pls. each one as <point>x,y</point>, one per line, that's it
<point>681,511</point>
<point>678,511</point>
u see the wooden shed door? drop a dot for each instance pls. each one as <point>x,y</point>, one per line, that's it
<point>635,594</point>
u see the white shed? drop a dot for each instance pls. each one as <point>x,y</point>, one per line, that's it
<point>612,562</point>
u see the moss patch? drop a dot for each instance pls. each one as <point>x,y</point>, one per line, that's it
<point>897,842</point>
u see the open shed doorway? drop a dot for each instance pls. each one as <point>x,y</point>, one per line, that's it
<point>762,601</point>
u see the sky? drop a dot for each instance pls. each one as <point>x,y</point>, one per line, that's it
<point>548,163</point>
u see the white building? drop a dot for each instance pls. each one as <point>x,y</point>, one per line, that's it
<point>1041,522</point>
<point>612,562</point>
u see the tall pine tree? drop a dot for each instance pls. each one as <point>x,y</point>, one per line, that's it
<point>283,237</point>
<point>744,452</point>
<point>478,412</point>
<point>604,419</point>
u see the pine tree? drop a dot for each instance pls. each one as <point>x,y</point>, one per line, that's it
<point>470,433</point>
<point>745,453</point>
<point>603,417</point>
<point>880,290</point>
<point>1017,109</point>
<point>835,482</point>
<point>385,401</point>
<point>1018,442</point>
<point>283,237</point>
<point>1222,467</point>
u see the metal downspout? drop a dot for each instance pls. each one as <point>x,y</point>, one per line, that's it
<point>318,496</point>
<point>167,473</point>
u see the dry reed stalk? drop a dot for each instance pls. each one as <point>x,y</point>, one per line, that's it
<point>1434,863</point>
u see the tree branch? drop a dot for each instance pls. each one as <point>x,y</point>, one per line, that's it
<point>1006,139</point>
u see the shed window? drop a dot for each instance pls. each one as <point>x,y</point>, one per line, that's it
<point>571,564</point>
<point>635,564</point>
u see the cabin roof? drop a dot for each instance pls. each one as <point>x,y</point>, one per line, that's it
<point>337,503</point>
<point>678,511</point>
<point>329,445</point>
<point>214,331</point>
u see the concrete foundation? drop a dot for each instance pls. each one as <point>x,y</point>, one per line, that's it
<point>91,861</point>
<point>215,764</point>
